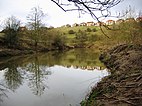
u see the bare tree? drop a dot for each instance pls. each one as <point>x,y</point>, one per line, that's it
<point>11,26</point>
<point>140,13</point>
<point>35,23</point>
<point>35,18</point>
<point>12,23</point>
<point>129,12</point>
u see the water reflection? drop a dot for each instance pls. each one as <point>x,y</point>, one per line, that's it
<point>3,91</point>
<point>15,71</point>
<point>13,77</point>
<point>55,73</point>
<point>37,76</point>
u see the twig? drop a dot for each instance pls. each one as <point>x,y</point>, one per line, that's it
<point>122,100</point>
<point>138,78</point>
<point>126,101</point>
<point>126,86</point>
<point>58,5</point>
<point>135,98</point>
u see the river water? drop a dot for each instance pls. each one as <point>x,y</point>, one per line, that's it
<point>49,79</point>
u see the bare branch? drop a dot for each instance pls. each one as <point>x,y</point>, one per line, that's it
<point>92,7</point>
<point>88,6</point>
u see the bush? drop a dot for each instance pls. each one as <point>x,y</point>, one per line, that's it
<point>71,32</point>
<point>59,41</point>
<point>88,30</point>
<point>11,26</point>
<point>94,29</point>
<point>81,38</point>
<point>11,38</point>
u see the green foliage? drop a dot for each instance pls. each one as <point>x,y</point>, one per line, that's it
<point>93,38</point>
<point>71,32</point>
<point>94,29</point>
<point>88,30</point>
<point>11,38</point>
<point>81,37</point>
<point>59,41</point>
<point>128,32</point>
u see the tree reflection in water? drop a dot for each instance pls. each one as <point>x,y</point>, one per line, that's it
<point>16,72</point>
<point>3,90</point>
<point>13,77</point>
<point>36,77</point>
<point>35,68</point>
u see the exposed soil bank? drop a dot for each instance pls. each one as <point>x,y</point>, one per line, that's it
<point>124,86</point>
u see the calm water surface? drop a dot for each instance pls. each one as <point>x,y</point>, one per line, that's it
<point>49,79</point>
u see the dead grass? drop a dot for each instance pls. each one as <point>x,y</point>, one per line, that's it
<point>124,86</point>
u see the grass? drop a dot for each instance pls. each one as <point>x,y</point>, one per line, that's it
<point>71,38</point>
<point>125,33</point>
<point>65,30</point>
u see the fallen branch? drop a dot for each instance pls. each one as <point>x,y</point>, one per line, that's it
<point>123,100</point>
<point>138,78</point>
<point>135,98</point>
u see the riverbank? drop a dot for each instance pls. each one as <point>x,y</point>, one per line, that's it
<point>8,52</point>
<point>14,52</point>
<point>124,86</point>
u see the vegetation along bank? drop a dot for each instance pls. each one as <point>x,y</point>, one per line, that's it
<point>124,86</point>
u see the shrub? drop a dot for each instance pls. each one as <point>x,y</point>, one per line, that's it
<point>94,29</point>
<point>11,38</point>
<point>71,32</point>
<point>88,30</point>
<point>94,37</point>
<point>59,41</point>
<point>81,38</point>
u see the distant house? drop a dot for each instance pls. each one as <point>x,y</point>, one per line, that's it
<point>119,21</point>
<point>99,24</point>
<point>22,28</point>
<point>130,20</point>
<point>139,19</point>
<point>110,22</point>
<point>83,24</point>
<point>90,23</point>
<point>75,24</point>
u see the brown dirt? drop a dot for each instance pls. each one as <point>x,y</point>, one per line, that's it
<point>124,86</point>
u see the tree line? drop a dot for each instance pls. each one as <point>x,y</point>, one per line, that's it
<point>35,34</point>
<point>39,37</point>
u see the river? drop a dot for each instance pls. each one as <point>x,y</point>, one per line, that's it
<point>49,79</point>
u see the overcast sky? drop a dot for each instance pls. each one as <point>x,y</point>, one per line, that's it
<point>55,16</point>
